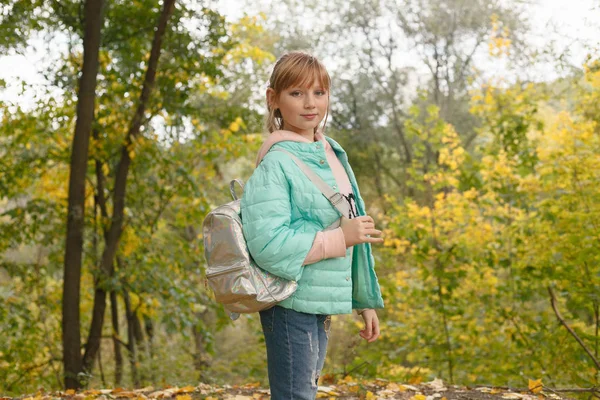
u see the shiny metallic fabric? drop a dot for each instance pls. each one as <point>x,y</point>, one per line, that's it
<point>237,282</point>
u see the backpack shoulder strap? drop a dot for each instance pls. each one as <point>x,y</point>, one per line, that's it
<point>335,198</point>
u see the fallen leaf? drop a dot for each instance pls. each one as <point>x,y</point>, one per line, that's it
<point>410,387</point>
<point>418,397</point>
<point>145,389</point>
<point>183,397</point>
<point>513,396</point>
<point>535,386</point>
<point>395,386</point>
<point>92,392</point>
<point>327,379</point>
<point>370,395</point>
<point>186,389</point>
<point>437,385</point>
<point>129,395</point>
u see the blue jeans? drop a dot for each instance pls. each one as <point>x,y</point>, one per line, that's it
<point>296,347</point>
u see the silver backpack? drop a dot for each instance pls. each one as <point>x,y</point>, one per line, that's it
<point>237,282</point>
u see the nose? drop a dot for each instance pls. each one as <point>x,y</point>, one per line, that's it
<point>309,101</point>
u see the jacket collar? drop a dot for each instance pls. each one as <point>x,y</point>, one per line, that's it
<point>297,143</point>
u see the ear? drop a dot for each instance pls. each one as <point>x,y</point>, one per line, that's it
<point>271,100</point>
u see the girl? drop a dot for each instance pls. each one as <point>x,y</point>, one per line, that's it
<point>293,231</point>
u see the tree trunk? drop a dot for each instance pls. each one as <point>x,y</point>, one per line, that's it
<point>131,340</point>
<point>116,226</point>
<point>138,334</point>
<point>95,334</point>
<point>117,346</point>
<point>201,361</point>
<point>149,328</point>
<point>137,330</point>
<point>71,336</point>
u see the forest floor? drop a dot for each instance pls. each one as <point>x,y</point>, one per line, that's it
<point>348,389</point>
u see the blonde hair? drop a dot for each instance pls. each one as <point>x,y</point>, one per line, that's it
<point>296,68</point>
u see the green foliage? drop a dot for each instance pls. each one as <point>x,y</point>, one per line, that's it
<point>194,129</point>
<point>470,296</point>
<point>485,201</point>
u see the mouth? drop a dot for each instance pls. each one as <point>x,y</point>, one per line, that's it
<point>309,116</point>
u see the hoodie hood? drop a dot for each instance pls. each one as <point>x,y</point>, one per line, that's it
<point>283,136</point>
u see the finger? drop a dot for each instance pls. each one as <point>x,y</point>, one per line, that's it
<point>368,225</point>
<point>372,232</point>
<point>366,218</point>
<point>375,330</point>
<point>374,240</point>
<point>368,328</point>
<point>372,331</point>
<point>363,334</point>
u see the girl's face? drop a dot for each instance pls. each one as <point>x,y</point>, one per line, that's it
<point>302,108</point>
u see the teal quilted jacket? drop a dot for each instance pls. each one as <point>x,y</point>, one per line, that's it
<point>282,211</point>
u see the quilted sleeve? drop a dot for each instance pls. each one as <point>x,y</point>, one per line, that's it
<point>266,215</point>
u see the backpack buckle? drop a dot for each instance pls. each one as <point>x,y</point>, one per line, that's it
<point>336,198</point>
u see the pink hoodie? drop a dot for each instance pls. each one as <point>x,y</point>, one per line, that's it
<point>327,244</point>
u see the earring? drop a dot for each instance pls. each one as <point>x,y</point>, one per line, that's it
<point>278,113</point>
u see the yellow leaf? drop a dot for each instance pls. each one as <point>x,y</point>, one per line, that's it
<point>370,396</point>
<point>234,127</point>
<point>184,397</point>
<point>186,389</point>
<point>535,386</point>
<point>70,392</point>
<point>418,397</point>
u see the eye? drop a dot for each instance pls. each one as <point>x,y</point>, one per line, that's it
<point>296,93</point>
<point>320,93</point>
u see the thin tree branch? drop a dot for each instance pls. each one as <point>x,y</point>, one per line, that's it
<point>571,331</point>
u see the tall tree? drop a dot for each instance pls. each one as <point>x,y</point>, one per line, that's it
<point>93,16</point>
<point>114,232</point>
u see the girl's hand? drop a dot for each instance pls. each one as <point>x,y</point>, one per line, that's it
<point>371,331</point>
<point>358,230</point>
